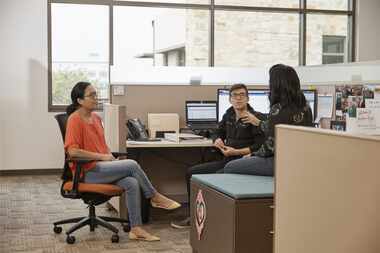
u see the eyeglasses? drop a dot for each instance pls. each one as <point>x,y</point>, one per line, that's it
<point>239,95</point>
<point>92,95</point>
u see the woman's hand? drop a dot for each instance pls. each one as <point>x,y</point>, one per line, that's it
<point>247,155</point>
<point>218,143</point>
<point>250,118</point>
<point>229,151</point>
<point>107,157</point>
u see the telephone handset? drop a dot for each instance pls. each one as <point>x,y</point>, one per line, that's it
<point>136,130</point>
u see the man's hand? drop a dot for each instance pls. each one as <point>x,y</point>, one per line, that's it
<point>229,151</point>
<point>107,157</point>
<point>218,143</point>
<point>250,118</point>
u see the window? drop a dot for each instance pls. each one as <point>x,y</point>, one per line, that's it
<point>328,4</point>
<point>320,46</point>
<point>145,33</point>
<point>79,50</point>
<point>251,39</point>
<point>333,49</point>
<point>261,3</point>
<point>146,37</point>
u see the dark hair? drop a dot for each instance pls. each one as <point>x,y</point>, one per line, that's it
<point>284,87</point>
<point>76,92</point>
<point>237,86</point>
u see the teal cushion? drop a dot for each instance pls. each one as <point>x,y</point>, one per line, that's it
<point>238,186</point>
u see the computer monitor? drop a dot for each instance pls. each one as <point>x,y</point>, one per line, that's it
<point>259,100</point>
<point>311,98</point>
<point>200,112</point>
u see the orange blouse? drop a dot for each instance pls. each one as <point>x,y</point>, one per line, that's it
<point>86,136</point>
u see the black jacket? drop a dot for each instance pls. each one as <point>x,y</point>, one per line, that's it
<point>237,134</point>
<point>281,115</point>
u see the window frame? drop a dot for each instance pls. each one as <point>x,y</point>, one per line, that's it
<point>212,8</point>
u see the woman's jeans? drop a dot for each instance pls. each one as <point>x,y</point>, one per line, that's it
<point>254,165</point>
<point>128,175</point>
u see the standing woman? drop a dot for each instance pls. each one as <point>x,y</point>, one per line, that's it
<point>85,139</point>
<point>287,106</point>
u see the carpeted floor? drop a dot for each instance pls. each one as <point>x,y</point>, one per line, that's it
<point>30,204</point>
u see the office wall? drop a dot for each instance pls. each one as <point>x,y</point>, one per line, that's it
<point>30,137</point>
<point>368,37</point>
<point>139,100</point>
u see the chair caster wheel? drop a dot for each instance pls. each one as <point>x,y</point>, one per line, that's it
<point>70,239</point>
<point>57,230</point>
<point>115,238</point>
<point>126,228</point>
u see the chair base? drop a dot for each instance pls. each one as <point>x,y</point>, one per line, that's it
<point>93,221</point>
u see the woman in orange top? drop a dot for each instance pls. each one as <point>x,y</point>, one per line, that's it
<point>85,139</point>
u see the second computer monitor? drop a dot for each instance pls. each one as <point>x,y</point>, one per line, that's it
<point>259,100</point>
<point>200,112</point>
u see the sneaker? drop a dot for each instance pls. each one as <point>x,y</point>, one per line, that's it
<point>185,223</point>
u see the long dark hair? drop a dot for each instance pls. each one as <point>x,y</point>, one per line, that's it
<point>285,88</point>
<point>76,92</point>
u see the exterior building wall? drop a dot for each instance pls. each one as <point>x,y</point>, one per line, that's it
<point>251,39</point>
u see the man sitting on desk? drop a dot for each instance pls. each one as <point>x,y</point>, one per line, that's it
<point>233,138</point>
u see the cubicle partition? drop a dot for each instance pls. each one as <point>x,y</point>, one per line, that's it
<point>327,192</point>
<point>143,99</point>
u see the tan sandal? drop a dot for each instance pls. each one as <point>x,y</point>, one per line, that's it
<point>172,206</point>
<point>149,238</point>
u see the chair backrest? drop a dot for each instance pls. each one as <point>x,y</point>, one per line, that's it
<point>62,120</point>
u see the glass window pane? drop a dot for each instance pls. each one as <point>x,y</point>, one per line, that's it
<point>327,4</point>
<point>260,3</point>
<point>145,36</point>
<point>333,44</point>
<point>79,49</point>
<point>250,39</point>
<point>175,1</point>
<point>319,27</point>
<point>330,59</point>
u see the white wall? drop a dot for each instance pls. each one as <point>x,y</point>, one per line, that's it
<point>368,37</point>
<point>29,135</point>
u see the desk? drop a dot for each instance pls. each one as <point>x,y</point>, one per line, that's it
<point>170,144</point>
<point>166,163</point>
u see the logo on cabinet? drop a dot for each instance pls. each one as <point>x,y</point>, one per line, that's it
<point>200,213</point>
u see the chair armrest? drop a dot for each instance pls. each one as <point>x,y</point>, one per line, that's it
<point>80,161</point>
<point>117,154</point>
<point>74,193</point>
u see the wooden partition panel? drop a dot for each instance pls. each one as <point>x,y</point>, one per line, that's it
<point>143,99</point>
<point>327,192</point>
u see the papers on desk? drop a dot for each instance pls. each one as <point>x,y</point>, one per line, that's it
<point>181,137</point>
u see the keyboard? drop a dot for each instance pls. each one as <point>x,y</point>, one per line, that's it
<point>203,126</point>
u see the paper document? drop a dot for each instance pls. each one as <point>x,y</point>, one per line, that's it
<point>182,136</point>
<point>325,106</point>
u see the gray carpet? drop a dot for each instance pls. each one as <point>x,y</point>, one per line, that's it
<point>30,204</point>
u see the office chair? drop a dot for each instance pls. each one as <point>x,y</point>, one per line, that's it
<point>91,194</point>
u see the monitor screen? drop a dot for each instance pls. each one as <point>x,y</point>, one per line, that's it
<point>310,96</point>
<point>200,111</point>
<point>258,99</point>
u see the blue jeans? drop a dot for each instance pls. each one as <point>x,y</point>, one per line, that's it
<point>254,165</point>
<point>128,175</point>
